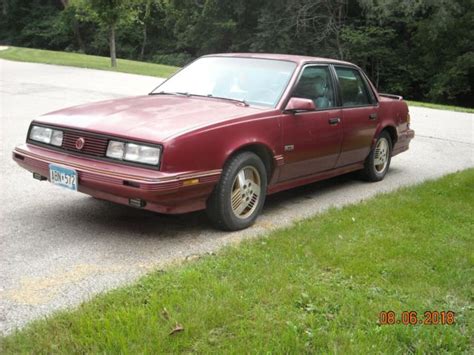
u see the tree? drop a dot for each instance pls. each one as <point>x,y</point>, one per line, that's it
<point>75,25</point>
<point>147,13</point>
<point>433,48</point>
<point>308,27</point>
<point>369,47</point>
<point>323,18</point>
<point>109,13</point>
<point>4,8</point>
<point>421,49</point>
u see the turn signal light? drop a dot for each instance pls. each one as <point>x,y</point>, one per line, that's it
<point>190,182</point>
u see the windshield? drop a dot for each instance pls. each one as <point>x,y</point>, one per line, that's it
<point>258,82</point>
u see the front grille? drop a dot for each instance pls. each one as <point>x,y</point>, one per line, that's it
<point>94,145</point>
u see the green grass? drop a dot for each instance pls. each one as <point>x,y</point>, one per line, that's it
<point>133,67</point>
<point>315,287</point>
<point>86,61</point>
<point>440,106</point>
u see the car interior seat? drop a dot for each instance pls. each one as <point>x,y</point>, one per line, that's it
<point>315,87</point>
<point>350,92</point>
<point>321,90</point>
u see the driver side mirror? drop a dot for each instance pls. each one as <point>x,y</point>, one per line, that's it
<point>298,104</point>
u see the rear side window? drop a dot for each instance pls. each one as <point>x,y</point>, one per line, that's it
<point>354,91</point>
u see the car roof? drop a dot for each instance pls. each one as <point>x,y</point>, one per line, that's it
<point>300,59</point>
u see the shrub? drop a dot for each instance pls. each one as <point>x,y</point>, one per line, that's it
<point>175,59</point>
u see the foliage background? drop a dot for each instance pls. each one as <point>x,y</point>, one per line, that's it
<point>420,49</point>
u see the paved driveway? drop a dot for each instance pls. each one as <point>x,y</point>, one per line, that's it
<point>58,248</point>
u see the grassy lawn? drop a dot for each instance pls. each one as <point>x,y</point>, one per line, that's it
<point>440,107</point>
<point>315,287</point>
<point>133,67</point>
<point>86,61</point>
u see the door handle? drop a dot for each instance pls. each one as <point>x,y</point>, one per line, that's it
<point>334,121</point>
<point>373,116</point>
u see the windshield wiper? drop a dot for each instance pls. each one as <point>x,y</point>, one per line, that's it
<point>228,99</point>
<point>187,94</point>
<point>176,93</point>
<point>221,98</point>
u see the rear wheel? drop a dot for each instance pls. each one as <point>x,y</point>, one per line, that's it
<point>239,196</point>
<point>378,161</point>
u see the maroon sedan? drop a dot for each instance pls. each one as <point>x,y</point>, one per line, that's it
<point>221,134</point>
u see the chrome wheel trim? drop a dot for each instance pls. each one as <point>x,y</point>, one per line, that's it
<point>381,155</point>
<point>246,192</point>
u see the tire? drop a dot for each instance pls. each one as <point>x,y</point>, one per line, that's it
<point>381,153</point>
<point>238,198</point>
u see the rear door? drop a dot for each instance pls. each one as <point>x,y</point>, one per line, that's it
<point>359,115</point>
<point>312,140</point>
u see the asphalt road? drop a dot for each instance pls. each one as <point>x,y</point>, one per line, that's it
<point>58,248</point>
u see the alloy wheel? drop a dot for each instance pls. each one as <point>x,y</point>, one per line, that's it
<point>381,155</point>
<point>246,191</point>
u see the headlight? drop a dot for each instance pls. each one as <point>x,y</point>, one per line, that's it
<point>115,150</point>
<point>142,154</point>
<point>57,138</point>
<point>133,152</point>
<point>46,135</point>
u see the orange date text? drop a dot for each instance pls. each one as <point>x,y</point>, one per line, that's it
<point>415,318</point>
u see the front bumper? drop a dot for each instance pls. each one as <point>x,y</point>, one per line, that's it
<point>162,192</point>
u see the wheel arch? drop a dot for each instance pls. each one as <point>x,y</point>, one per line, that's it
<point>392,131</point>
<point>262,151</point>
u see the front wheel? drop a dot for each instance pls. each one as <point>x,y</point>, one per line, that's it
<point>239,196</point>
<point>377,163</point>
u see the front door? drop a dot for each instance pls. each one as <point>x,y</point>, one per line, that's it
<point>312,140</point>
<point>359,116</point>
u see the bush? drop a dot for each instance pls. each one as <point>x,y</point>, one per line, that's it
<point>174,59</point>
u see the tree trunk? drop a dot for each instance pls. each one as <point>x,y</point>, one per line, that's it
<point>377,74</point>
<point>113,53</point>
<point>142,51</point>
<point>340,21</point>
<point>77,34</point>
<point>339,46</point>
<point>75,28</point>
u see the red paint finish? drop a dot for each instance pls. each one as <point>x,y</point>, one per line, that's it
<point>359,131</point>
<point>296,104</point>
<point>199,134</point>
<point>316,142</point>
<point>148,118</point>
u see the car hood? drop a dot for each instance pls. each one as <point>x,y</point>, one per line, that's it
<point>151,118</point>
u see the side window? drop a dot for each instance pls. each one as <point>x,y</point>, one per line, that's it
<point>315,83</point>
<point>354,91</point>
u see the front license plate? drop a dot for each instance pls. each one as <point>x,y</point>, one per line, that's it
<point>64,177</point>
